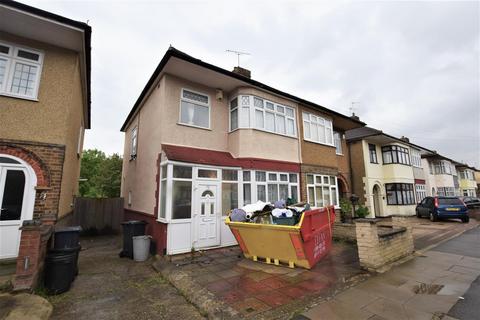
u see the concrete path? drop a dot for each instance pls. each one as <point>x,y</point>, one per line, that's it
<point>425,287</point>
<point>109,287</point>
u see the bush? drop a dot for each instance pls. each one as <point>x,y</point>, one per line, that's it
<point>362,212</point>
<point>346,208</point>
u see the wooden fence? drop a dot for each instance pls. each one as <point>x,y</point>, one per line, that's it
<point>98,214</point>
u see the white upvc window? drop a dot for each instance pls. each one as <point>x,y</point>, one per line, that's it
<point>133,143</point>
<point>420,192</point>
<point>194,109</point>
<point>20,70</point>
<point>317,129</point>
<point>337,141</point>
<point>415,158</point>
<point>442,167</point>
<point>322,190</point>
<point>248,111</point>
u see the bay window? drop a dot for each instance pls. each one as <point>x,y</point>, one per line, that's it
<point>20,70</point>
<point>321,190</point>
<point>395,154</point>
<point>195,109</point>
<point>399,193</point>
<point>258,113</point>
<point>317,129</point>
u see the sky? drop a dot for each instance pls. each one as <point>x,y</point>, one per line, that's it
<point>411,68</point>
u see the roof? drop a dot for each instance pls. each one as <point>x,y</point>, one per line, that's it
<point>87,30</point>
<point>172,52</point>
<point>360,133</point>
<point>222,158</point>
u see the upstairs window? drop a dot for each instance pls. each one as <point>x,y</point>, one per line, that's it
<point>253,112</point>
<point>317,129</point>
<point>195,109</point>
<point>372,149</point>
<point>337,140</point>
<point>133,143</point>
<point>20,70</point>
<point>416,158</point>
<point>395,154</point>
<point>442,167</point>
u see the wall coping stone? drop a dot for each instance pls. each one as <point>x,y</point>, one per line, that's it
<point>367,220</point>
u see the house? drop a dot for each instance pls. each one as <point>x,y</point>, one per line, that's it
<point>44,110</point>
<point>201,140</point>
<point>442,179</point>
<point>387,172</point>
<point>466,178</point>
<point>477,179</point>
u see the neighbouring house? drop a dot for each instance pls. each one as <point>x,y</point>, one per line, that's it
<point>442,179</point>
<point>477,179</point>
<point>466,179</point>
<point>201,140</point>
<point>44,110</point>
<point>386,172</point>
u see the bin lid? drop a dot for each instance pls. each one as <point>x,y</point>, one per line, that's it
<point>141,237</point>
<point>133,222</point>
<point>68,229</point>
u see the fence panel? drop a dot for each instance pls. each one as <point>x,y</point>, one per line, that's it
<point>99,214</point>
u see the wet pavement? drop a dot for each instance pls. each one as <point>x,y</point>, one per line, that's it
<point>259,290</point>
<point>423,288</point>
<point>109,287</point>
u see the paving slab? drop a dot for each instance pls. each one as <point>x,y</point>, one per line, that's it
<point>24,306</point>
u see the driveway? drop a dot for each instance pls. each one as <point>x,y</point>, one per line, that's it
<point>109,287</point>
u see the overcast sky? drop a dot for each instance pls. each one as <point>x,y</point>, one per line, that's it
<point>411,67</point>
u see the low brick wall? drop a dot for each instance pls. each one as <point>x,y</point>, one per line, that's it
<point>154,228</point>
<point>380,245</point>
<point>344,231</point>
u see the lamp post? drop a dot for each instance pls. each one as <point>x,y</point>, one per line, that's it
<point>354,200</point>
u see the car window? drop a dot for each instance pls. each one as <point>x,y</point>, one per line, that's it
<point>449,201</point>
<point>429,202</point>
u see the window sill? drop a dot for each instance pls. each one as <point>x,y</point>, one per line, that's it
<point>401,164</point>
<point>316,142</point>
<point>339,154</point>
<point>193,126</point>
<point>16,96</point>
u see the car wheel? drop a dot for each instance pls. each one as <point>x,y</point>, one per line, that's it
<point>433,217</point>
<point>466,219</point>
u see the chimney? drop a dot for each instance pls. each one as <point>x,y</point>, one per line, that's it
<point>242,71</point>
<point>405,139</point>
<point>354,117</point>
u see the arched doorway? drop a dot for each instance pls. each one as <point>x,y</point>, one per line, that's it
<point>17,199</point>
<point>342,189</point>
<point>377,201</point>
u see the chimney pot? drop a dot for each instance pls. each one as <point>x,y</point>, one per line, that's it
<point>243,72</point>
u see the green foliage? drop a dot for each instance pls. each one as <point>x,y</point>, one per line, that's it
<point>102,173</point>
<point>362,211</point>
<point>346,206</point>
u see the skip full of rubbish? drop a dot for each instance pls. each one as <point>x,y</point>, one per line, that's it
<point>280,212</point>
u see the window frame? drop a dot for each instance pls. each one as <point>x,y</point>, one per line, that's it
<point>321,185</point>
<point>12,59</point>
<point>415,158</point>
<point>339,141</point>
<point>194,102</point>
<point>325,127</point>
<point>397,155</point>
<point>403,188</point>
<point>251,110</point>
<point>134,148</point>
<point>370,145</point>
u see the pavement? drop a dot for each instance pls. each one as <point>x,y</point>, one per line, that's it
<point>226,285</point>
<point>436,284</point>
<point>109,287</point>
<point>24,306</point>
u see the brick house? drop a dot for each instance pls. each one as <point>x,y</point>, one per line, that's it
<point>44,110</point>
<point>201,140</point>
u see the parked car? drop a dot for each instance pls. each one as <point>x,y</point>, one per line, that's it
<point>471,202</point>
<point>442,208</point>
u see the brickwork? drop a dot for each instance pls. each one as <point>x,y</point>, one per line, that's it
<point>344,231</point>
<point>379,245</point>
<point>47,162</point>
<point>31,257</point>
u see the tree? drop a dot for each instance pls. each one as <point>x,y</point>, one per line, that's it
<point>100,174</point>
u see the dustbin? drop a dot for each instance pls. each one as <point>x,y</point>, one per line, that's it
<point>59,268</point>
<point>131,229</point>
<point>302,245</point>
<point>141,248</point>
<point>66,237</point>
<point>67,251</point>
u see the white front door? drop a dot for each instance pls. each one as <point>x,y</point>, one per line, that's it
<point>207,214</point>
<point>14,193</point>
